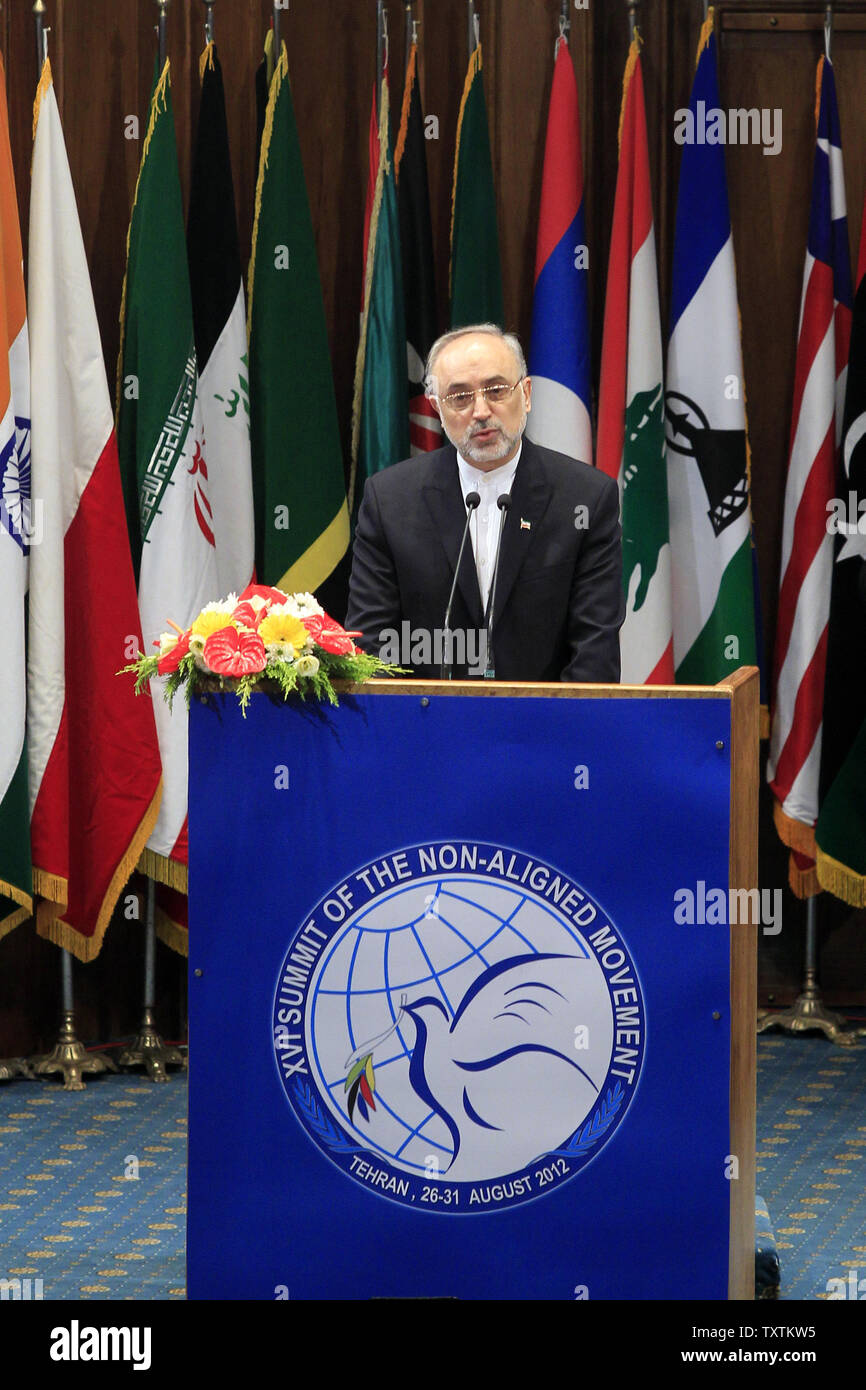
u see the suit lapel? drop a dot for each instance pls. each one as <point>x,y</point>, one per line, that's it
<point>443,498</point>
<point>530,497</point>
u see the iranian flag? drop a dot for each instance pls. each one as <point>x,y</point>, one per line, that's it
<point>161,443</point>
<point>631,445</point>
<point>219,318</point>
<point>16,531</point>
<point>94,759</point>
<point>708,475</point>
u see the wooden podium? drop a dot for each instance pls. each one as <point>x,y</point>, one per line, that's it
<point>485,1051</point>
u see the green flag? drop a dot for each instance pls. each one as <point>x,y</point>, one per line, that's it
<point>476,274</point>
<point>380,417</point>
<point>841,829</point>
<point>302,520</point>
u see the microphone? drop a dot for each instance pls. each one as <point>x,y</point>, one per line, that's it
<point>503,502</point>
<point>473,500</point>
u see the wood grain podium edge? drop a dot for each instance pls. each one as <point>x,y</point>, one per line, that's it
<point>742,690</point>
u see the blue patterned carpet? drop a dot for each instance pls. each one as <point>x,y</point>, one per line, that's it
<point>812,1159</point>
<point>70,1215</point>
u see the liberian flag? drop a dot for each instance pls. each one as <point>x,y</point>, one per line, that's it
<point>559,355</point>
<point>631,445</point>
<point>220,320</point>
<point>94,758</point>
<point>708,475</point>
<point>17,528</point>
<point>162,453</point>
<point>807,543</point>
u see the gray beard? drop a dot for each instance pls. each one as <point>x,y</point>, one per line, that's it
<point>490,452</point>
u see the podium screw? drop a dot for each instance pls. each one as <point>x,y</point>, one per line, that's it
<point>720,743</point>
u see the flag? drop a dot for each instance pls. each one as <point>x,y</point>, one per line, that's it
<point>841,827</point>
<point>476,274</point>
<point>161,445</point>
<point>18,526</point>
<point>419,281</point>
<point>708,475</point>
<point>94,759</point>
<point>302,521</point>
<point>380,419</point>
<point>631,445</point>
<point>219,319</point>
<point>806,569</point>
<point>559,355</point>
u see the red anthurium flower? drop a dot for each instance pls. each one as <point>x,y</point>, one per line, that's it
<point>263,591</point>
<point>329,635</point>
<point>246,615</point>
<point>232,653</point>
<point>170,662</point>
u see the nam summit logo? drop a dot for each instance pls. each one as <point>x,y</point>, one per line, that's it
<point>458,1027</point>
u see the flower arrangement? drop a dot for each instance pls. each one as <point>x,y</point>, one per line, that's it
<point>263,636</point>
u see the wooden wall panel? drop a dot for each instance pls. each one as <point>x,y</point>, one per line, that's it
<point>103,58</point>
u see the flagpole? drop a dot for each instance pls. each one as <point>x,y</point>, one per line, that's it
<point>808,1013</point>
<point>208,20</point>
<point>410,31</point>
<point>381,49</point>
<point>276,21</point>
<point>473,26</point>
<point>632,18</point>
<point>160,30</point>
<point>828,32</point>
<point>41,41</point>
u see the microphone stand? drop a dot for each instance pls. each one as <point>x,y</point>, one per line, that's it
<point>503,502</point>
<point>473,500</point>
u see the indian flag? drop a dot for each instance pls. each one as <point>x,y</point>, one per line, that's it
<point>631,445</point>
<point>708,474</point>
<point>162,452</point>
<point>17,528</point>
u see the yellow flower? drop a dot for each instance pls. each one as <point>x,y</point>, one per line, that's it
<point>282,627</point>
<point>210,621</point>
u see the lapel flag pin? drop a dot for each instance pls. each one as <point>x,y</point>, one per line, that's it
<point>525,525</point>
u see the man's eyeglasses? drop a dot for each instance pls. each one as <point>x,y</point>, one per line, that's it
<point>459,402</point>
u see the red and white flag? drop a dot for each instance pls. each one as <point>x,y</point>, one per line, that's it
<point>807,542</point>
<point>94,760</point>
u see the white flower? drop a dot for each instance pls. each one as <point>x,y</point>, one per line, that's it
<point>167,641</point>
<point>302,606</point>
<point>257,603</point>
<point>280,651</point>
<point>225,607</point>
<point>307,665</point>
<point>196,645</point>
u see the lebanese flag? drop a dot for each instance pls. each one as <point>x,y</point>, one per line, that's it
<point>631,440</point>
<point>95,772</point>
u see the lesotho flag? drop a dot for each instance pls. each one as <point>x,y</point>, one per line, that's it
<point>707,460</point>
<point>559,357</point>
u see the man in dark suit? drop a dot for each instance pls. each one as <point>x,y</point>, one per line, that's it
<point>558,597</point>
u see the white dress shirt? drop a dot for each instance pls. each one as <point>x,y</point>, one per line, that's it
<point>486,520</point>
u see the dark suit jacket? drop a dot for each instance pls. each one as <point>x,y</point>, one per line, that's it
<point>559,598</point>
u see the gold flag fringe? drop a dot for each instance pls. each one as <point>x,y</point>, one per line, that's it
<point>280,71</point>
<point>51,886</point>
<point>630,65</point>
<point>205,61</point>
<point>706,33</point>
<point>361,359</point>
<point>49,922</point>
<point>475,66</point>
<point>170,933</point>
<point>819,74</point>
<point>803,883</point>
<point>163,870</point>
<point>841,880</point>
<point>45,81</point>
<point>794,833</point>
<point>159,94</point>
<point>411,72</point>
<point>13,920</point>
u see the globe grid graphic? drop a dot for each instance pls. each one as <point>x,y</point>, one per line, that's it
<point>432,936</point>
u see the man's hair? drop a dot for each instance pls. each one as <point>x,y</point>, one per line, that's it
<point>493,329</point>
